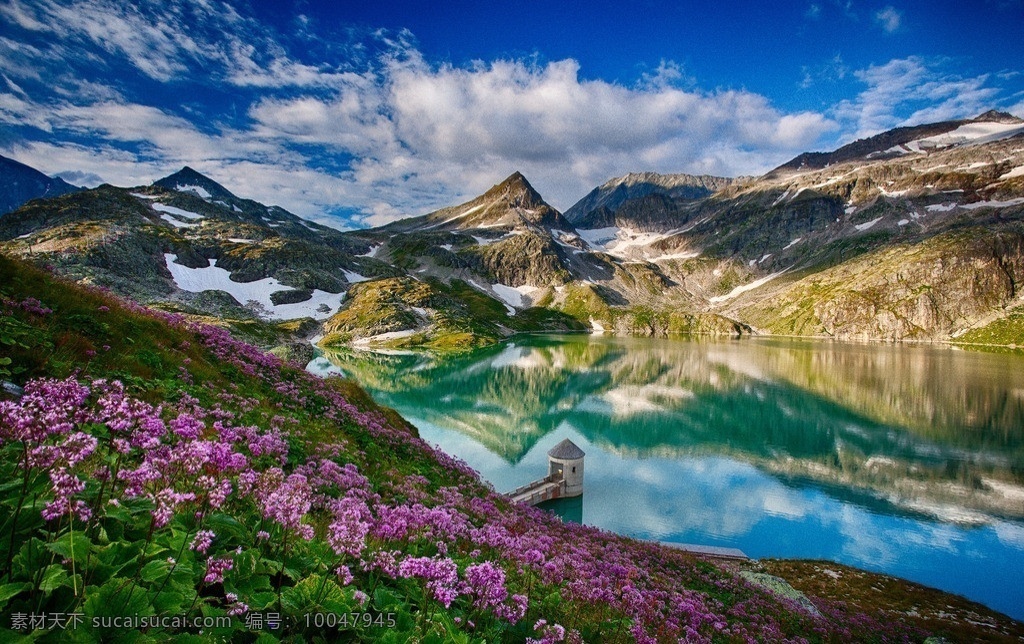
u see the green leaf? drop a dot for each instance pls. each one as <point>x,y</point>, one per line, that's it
<point>117,513</point>
<point>117,597</point>
<point>170,602</point>
<point>111,559</point>
<point>8,591</point>
<point>217,633</point>
<point>154,570</point>
<point>245,563</point>
<point>11,485</point>
<point>71,545</point>
<point>396,637</point>
<point>261,600</point>
<point>384,599</point>
<point>53,578</point>
<point>227,527</point>
<point>271,566</point>
<point>31,557</point>
<point>316,593</point>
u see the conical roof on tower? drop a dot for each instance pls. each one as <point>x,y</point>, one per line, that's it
<point>566,450</point>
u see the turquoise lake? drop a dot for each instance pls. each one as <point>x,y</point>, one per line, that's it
<point>905,459</point>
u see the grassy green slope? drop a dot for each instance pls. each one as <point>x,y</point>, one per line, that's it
<point>460,317</point>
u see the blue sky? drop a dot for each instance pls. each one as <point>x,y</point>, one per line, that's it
<point>356,113</point>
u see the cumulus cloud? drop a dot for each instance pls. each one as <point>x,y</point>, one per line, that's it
<point>415,125</point>
<point>889,19</point>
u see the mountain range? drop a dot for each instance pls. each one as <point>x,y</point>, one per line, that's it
<point>913,234</point>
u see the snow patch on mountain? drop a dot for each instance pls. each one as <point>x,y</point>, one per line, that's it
<point>197,190</point>
<point>993,204</point>
<point>967,134</point>
<point>671,256</point>
<point>514,296</point>
<point>1016,172</point>
<point>320,306</point>
<point>868,225</point>
<point>464,213</point>
<point>373,251</point>
<point>353,277</point>
<point>598,237</point>
<point>621,242</point>
<point>177,223</point>
<point>171,210</point>
<point>739,290</point>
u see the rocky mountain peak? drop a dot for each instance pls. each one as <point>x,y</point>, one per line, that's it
<point>513,202</point>
<point>995,116</point>
<point>611,195</point>
<point>516,191</point>
<point>189,180</point>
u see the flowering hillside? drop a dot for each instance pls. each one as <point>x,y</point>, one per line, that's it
<point>160,477</point>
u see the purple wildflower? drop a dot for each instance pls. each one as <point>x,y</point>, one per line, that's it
<point>202,541</point>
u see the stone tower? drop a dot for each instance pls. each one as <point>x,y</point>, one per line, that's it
<point>565,462</point>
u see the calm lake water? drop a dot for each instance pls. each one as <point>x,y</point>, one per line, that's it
<point>907,460</point>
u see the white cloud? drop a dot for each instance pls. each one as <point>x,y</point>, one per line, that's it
<point>169,39</point>
<point>911,91</point>
<point>158,48</point>
<point>16,110</point>
<point>1017,110</point>
<point>103,162</point>
<point>889,19</point>
<point>414,126</point>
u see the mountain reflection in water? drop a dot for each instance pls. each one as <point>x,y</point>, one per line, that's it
<point>906,459</point>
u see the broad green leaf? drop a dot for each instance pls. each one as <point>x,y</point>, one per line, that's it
<point>71,545</point>
<point>261,600</point>
<point>154,570</point>
<point>384,599</point>
<point>118,596</point>
<point>31,557</point>
<point>227,527</point>
<point>171,602</point>
<point>245,563</point>
<point>53,578</point>
<point>9,591</point>
<point>315,593</point>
